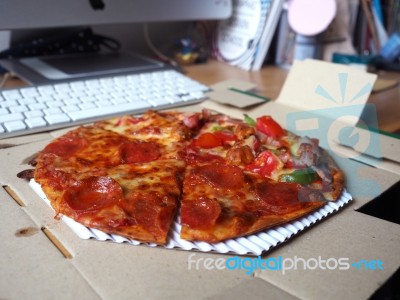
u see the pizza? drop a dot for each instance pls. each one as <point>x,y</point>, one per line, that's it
<point>219,177</point>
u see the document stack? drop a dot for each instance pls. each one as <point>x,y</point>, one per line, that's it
<point>244,39</point>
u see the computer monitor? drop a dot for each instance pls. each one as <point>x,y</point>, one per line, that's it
<point>23,14</point>
<point>37,15</point>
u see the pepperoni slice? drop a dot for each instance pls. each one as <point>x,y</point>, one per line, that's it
<point>93,193</point>
<point>151,209</point>
<point>201,213</point>
<point>224,176</point>
<point>66,146</point>
<point>139,152</point>
<point>279,198</point>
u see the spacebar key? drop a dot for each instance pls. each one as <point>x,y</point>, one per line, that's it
<point>108,110</point>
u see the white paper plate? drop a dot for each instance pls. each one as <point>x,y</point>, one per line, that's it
<point>254,244</point>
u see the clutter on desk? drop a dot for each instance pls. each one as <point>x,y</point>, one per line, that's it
<point>244,39</point>
<point>188,52</point>
<point>366,30</point>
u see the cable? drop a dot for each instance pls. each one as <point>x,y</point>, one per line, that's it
<point>6,76</point>
<point>154,49</point>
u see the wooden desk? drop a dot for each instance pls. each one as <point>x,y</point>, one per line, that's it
<point>270,79</point>
<point>269,82</point>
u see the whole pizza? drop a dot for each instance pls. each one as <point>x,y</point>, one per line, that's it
<point>220,177</point>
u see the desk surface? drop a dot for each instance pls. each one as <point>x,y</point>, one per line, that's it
<point>270,80</point>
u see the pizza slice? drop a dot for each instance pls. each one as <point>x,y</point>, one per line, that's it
<point>221,201</point>
<point>243,177</point>
<point>166,129</point>
<point>116,181</point>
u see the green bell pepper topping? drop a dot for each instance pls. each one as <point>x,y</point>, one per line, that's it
<point>249,120</point>
<point>217,128</point>
<point>304,176</point>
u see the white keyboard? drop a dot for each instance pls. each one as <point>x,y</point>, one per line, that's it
<point>47,107</point>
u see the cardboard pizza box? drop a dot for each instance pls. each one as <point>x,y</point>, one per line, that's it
<point>43,258</point>
<point>328,101</point>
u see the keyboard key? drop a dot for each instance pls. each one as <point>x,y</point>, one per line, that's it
<point>70,108</point>
<point>46,90</point>
<point>61,97</point>
<point>197,95</point>
<point>103,111</point>
<point>3,111</point>
<point>107,81</point>
<point>11,117</point>
<point>159,101</point>
<point>78,86</point>
<point>17,109</point>
<point>88,98</point>
<point>103,97</point>
<point>119,100</point>
<point>117,94</point>
<point>188,97</point>
<point>35,122</point>
<point>33,114</point>
<point>120,80</point>
<point>174,99</point>
<point>57,118</point>
<point>72,101</point>
<point>52,104</point>
<point>27,100</point>
<point>132,96</point>
<point>29,92</point>
<point>44,98</point>
<point>52,111</point>
<point>37,106</point>
<point>62,87</point>
<point>75,94</point>
<point>12,95</point>
<point>9,103</point>
<point>197,88</point>
<point>104,103</point>
<point>92,92</point>
<point>14,125</point>
<point>87,106</point>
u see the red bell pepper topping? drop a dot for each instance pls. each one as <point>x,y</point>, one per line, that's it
<point>269,127</point>
<point>264,164</point>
